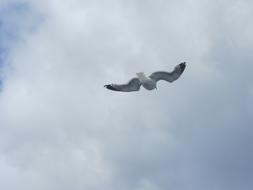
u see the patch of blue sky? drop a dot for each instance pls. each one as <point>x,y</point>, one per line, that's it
<point>17,21</point>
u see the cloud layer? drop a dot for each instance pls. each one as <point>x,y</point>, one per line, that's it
<point>60,129</point>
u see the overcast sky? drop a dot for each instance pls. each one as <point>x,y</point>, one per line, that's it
<point>60,129</point>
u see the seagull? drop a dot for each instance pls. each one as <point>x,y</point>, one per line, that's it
<point>149,82</point>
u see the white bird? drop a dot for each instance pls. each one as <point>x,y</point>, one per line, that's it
<point>148,83</point>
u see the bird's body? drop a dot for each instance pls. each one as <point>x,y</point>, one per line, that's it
<point>148,83</point>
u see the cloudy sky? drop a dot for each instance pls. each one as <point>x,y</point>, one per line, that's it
<point>61,130</point>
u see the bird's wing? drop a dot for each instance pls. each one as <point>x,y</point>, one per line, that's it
<point>133,85</point>
<point>169,76</point>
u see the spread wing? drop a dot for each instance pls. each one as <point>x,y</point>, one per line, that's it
<point>169,76</point>
<point>133,85</point>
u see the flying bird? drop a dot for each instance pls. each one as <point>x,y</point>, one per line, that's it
<point>149,82</point>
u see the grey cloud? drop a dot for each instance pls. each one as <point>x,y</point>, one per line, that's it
<point>60,127</point>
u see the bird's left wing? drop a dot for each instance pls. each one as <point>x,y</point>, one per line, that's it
<point>169,76</point>
<point>133,85</point>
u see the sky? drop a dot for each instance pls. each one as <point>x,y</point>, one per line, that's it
<point>60,129</point>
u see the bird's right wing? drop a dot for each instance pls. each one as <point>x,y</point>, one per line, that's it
<point>133,85</point>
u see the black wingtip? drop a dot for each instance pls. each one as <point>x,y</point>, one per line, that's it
<point>110,87</point>
<point>182,66</point>
<point>183,63</point>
